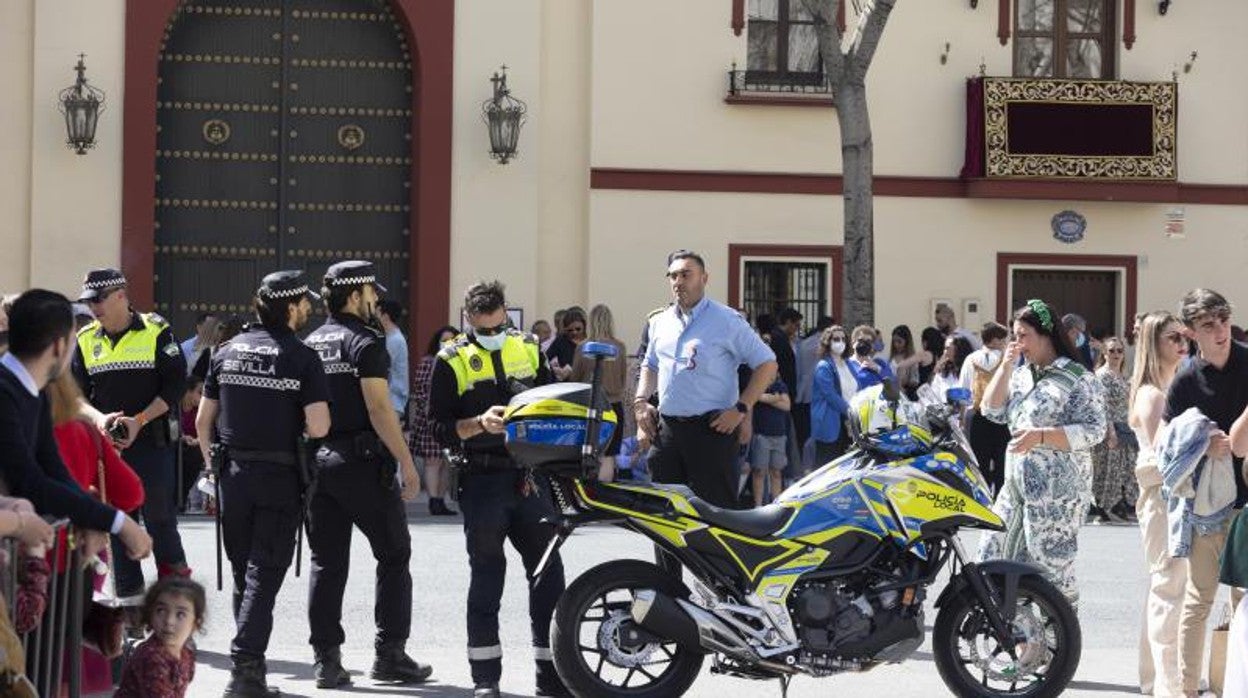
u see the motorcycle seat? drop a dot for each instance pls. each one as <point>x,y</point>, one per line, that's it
<point>756,523</point>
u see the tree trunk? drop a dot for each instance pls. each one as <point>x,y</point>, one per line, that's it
<point>857,170</point>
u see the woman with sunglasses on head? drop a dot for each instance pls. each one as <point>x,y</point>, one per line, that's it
<point>1113,460</point>
<point>1160,348</point>
<point>562,351</point>
<point>614,380</point>
<point>1056,414</point>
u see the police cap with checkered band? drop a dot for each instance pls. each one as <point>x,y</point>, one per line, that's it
<point>285,284</point>
<point>353,273</point>
<point>99,282</point>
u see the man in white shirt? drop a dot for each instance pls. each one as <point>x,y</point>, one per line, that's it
<point>947,323</point>
<point>988,439</point>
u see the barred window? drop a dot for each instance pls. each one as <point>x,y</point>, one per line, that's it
<point>1064,39</point>
<point>771,286</point>
<point>783,44</point>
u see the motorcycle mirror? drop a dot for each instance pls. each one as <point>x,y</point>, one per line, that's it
<point>959,396</point>
<point>890,391</point>
<point>595,350</point>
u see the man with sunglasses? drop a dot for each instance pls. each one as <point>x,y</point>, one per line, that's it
<point>356,483</point>
<point>475,376</point>
<point>132,373</point>
<point>1216,382</point>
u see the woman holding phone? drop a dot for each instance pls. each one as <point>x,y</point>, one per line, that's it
<point>1055,412</point>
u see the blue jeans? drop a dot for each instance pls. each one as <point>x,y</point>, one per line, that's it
<point>155,467</point>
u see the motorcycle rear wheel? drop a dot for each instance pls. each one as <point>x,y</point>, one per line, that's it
<point>972,663</point>
<point>586,637</point>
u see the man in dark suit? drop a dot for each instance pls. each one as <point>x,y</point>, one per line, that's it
<point>788,322</point>
<point>41,342</point>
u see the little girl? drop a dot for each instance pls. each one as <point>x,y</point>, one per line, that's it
<point>163,665</point>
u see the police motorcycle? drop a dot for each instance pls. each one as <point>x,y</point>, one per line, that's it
<point>829,578</point>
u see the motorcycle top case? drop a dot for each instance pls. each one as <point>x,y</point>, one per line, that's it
<point>546,426</point>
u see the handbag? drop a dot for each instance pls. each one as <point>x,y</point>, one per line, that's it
<point>1126,436</point>
<point>103,627</point>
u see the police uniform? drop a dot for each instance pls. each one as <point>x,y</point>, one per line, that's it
<point>494,500</point>
<point>263,379</point>
<point>124,373</point>
<point>356,486</point>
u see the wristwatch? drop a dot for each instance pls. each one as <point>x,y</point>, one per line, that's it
<point>742,408</point>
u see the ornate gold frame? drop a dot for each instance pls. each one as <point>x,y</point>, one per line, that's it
<point>1000,163</point>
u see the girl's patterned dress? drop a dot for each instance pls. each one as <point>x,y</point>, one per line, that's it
<point>1113,469</point>
<point>1046,491</point>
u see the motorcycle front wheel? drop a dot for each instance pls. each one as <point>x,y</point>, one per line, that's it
<point>1048,643</point>
<point>589,640</point>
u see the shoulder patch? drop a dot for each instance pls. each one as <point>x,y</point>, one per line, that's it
<point>89,328</point>
<point>172,350</point>
<point>451,348</point>
<point>156,319</point>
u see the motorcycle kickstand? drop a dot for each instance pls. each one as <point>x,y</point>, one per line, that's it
<point>784,686</point>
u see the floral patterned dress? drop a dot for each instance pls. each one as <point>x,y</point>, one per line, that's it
<point>1113,469</point>
<point>1046,491</point>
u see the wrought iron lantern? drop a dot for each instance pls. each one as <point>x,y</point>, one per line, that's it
<point>504,115</point>
<point>82,105</point>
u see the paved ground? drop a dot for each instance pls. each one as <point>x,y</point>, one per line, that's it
<point>1111,571</point>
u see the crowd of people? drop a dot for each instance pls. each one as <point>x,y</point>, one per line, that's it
<point>1069,426</point>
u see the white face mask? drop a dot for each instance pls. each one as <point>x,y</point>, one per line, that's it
<point>838,348</point>
<point>493,342</point>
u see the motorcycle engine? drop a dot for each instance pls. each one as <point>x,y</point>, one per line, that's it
<point>835,619</point>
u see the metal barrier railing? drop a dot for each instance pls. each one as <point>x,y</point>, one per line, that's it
<point>58,636</point>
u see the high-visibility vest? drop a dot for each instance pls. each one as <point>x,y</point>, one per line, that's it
<point>472,364</point>
<point>136,351</point>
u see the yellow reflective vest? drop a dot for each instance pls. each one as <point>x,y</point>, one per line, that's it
<point>520,357</point>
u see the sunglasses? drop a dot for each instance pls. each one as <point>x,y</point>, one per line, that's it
<point>102,296</point>
<point>491,331</point>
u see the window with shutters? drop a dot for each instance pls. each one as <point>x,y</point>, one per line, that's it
<point>1064,39</point>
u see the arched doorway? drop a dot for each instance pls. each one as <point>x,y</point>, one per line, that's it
<point>428,29</point>
<point>283,142</point>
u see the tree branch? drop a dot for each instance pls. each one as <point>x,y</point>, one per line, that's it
<point>867,38</point>
<point>829,33</point>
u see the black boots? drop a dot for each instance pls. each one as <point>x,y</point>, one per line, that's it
<point>437,507</point>
<point>247,680</point>
<point>486,689</point>
<point>328,669</point>
<point>394,666</point>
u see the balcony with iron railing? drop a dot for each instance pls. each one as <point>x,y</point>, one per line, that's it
<point>777,89</point>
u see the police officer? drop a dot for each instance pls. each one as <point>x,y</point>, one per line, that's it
<point>268,389</point>
<point>474,377</point>
<point>356,483</point>
<point>132,373</point>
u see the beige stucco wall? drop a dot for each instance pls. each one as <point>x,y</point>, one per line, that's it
<point>17,22</point>
<point>75,219</point>
<point>659,89</point>
<point>925,248</point>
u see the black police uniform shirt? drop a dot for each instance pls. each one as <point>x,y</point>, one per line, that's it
<point>1221,395</point>
<point>130,392</point>
<point>447,406</point>
<point>263,379</point>
<point>350,350</point>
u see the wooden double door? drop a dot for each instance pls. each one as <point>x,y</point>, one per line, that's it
<point>283,142</point>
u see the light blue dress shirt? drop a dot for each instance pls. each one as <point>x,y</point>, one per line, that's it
<point>696,356</point>
<point>396,346</point>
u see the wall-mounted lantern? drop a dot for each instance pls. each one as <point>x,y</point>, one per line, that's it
<point>82,105</point>
<point>504,115</point>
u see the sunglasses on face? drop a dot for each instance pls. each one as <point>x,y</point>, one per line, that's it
<point>102,296</point>
<point>491,331</point>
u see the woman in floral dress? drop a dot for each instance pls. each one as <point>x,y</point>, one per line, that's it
<point>1113,460</point>
<point>1056,414</point>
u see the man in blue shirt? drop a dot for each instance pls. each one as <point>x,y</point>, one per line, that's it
<point>390,312</point>
<point>694,350</point>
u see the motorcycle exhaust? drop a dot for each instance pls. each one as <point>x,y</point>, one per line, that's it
<point>688,624</point>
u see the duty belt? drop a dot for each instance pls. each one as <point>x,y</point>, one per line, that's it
<point>279,457</point>
<point>488,461</point>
